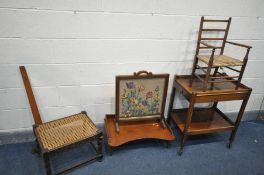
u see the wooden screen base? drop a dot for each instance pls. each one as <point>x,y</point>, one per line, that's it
<point>130,131</point>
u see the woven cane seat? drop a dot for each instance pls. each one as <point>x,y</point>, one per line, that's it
<point>220,60</point>
<point>59,133</point>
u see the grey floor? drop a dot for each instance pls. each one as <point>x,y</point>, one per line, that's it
<point>203,155</point>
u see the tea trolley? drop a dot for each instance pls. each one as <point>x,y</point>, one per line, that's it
<point>192,120</point>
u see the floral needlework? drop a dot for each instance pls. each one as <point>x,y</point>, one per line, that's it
<point>140,98</point>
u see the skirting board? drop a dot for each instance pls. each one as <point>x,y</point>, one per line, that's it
<point>26,134</point>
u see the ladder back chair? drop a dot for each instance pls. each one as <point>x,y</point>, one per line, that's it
<point>62,133</point>
<point>215,61</point>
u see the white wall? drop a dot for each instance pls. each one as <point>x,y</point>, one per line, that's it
<point>74,48</point>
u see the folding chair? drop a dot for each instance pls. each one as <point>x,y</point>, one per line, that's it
<point>63,133</point>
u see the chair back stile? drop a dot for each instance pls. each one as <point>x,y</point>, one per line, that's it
<point>225,37</point>
<point>210,31</point>
<point>30,95</point>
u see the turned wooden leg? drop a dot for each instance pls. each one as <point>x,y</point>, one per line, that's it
<point>207,76</point>
<point>36,150</point>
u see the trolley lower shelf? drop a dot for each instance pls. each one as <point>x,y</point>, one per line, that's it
<point>204,120</point>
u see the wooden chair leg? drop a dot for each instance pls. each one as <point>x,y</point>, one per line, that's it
<point>47,163</point>
<point>210,64</point>
<point>194,65</point>
<point>215,72</point>
<point>100,147</point>
<point>205,84</point>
